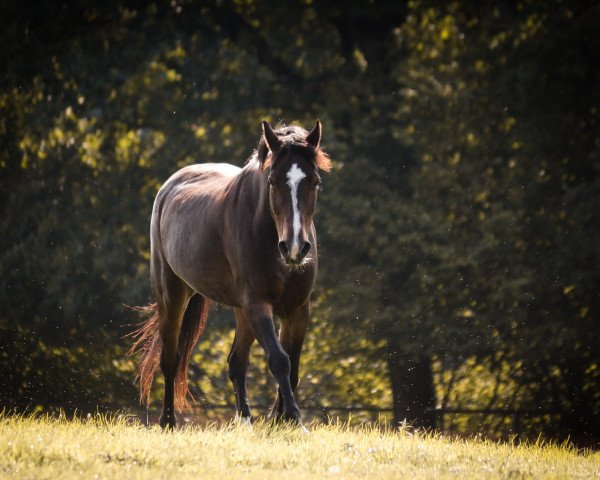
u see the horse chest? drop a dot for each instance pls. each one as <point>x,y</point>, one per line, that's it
<point>295,292</point>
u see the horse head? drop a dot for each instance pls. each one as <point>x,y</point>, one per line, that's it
<point>294,160</point>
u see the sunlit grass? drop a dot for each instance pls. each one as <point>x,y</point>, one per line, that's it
<point>112,447</point>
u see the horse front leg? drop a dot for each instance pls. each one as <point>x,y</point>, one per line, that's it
<point>238,364</point>
<point>291,336</point>
<point>260,318</point>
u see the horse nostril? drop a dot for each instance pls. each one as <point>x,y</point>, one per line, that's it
<point>283,249</point>
<point>305,249</point>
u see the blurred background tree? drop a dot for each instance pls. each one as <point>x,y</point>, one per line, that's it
<point>459,228</point>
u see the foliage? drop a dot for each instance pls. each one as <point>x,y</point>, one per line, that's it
<point>458,230</point>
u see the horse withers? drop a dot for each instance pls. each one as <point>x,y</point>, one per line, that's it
<point>240,237</point>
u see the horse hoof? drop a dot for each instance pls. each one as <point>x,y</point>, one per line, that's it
<point>167,422</point>
<point>241,421</point>
<point>292,417</point>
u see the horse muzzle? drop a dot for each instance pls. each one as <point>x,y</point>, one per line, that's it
<point>292,253</point>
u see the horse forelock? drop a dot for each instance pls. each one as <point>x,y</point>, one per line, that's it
<point>314,154</point>
<point>293,138</point>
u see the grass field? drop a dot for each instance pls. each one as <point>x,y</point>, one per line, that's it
<point>101,447</point>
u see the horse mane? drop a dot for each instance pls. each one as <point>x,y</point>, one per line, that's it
<point>293,137</point>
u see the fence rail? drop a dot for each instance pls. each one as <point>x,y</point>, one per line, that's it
<point>516,414</point>
<point>437,410</point>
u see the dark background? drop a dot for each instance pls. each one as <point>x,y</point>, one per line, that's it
<point>459,228</point>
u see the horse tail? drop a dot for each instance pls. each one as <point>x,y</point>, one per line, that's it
<point>192,327</point>
<point>147,342</point>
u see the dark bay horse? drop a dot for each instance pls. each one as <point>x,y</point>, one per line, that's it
<point>240,237</point>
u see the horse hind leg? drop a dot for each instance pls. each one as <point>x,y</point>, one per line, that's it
<point>169,362</point>
<point>238,364</point>
<point>171,297</point>
<point>175,358</point>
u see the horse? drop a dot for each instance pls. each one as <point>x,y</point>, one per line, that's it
<point>242,237</point>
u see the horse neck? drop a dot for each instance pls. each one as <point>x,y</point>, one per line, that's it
<point>257,195</point>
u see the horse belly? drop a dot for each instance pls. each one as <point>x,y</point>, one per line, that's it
<point>199,261</point>
<point>213,282</point>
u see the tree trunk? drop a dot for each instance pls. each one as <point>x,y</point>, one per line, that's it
<point>412,388</point>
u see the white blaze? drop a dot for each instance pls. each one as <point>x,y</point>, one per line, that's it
<point>294,175</point>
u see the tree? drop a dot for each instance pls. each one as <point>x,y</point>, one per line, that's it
<point>457,229</point>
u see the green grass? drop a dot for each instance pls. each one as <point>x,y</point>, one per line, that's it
<point>112,448</point>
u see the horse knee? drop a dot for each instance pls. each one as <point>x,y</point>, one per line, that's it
<point>237,366</point>
<point>279,364</point>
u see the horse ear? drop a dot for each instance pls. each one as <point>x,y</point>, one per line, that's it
<point>314,136</point>
<point>271,138</point>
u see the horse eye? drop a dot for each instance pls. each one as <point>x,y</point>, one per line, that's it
<point>318,184</point>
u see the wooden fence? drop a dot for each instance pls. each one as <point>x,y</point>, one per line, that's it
<point>327,413</point>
